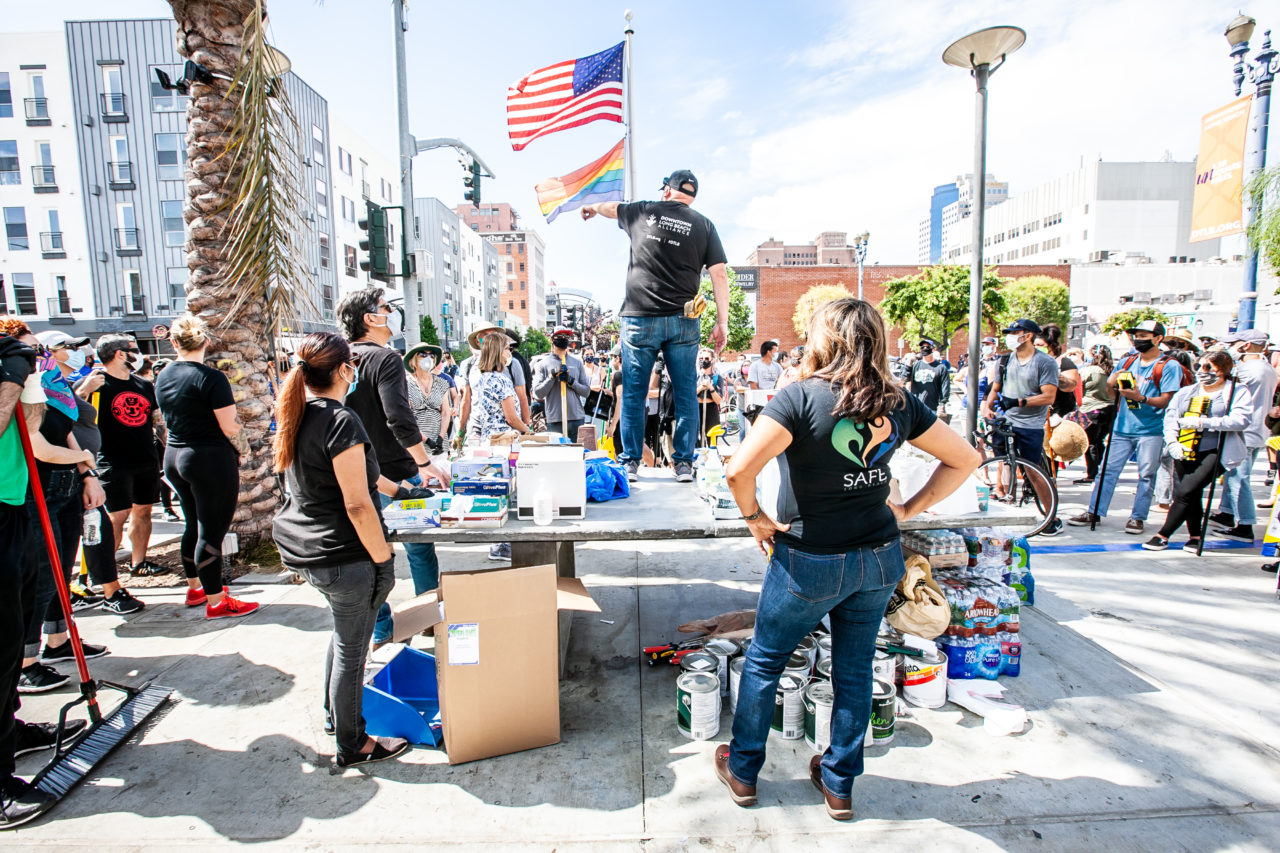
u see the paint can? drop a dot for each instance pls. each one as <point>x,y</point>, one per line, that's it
<point>788,710</point>
<point>699,661</point>
<point>744,643</point>
<point>799,665</point>
<point>809,648</point>
<point>735,679</point>
<point>822,671</point>
<point>924,680</point>
<point>818,699</point>
<point>884,706</point>
<point>723,651</point>
<point>698,705</point>
<point>884,667</point>
<point>824,649</point>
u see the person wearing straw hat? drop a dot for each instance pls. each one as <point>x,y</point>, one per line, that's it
<point>428,395</point>
<point>469,373</point>
<point>1182,339</point>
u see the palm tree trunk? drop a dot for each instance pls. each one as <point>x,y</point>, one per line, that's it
<point>211,32</point>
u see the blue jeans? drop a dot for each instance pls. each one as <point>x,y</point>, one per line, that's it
<point>424,568</point>
<point>1149,448</point>
<point>643,338</point>
<point>799,589</point>
<point>1028,444</point>
<point>1237,490</point>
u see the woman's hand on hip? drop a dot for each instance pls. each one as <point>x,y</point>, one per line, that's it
<point>763,529</point>
<point>900,511</point>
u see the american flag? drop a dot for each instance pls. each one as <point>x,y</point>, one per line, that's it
<point>567,94</point>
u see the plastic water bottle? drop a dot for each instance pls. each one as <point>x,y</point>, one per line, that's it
<point>92,534</point>
<point>542,507</point>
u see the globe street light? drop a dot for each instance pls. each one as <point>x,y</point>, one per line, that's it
<point>1260,71</point>
<point>981,53</point>
<point>860,255</point>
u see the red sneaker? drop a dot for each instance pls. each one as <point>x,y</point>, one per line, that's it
<point>229,606</point>
<point>196,596</point>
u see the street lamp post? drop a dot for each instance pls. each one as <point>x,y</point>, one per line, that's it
<point>860,255</point>
<point>981,53</point>
<point>1260,71</point>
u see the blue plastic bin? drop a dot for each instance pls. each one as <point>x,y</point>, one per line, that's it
<point>403,700</point>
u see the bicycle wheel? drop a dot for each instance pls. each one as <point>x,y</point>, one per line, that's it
<point>1022,486</point>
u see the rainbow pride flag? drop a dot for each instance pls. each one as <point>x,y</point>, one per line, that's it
<point>598,181</point>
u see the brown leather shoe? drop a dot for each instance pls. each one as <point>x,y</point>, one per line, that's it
<point>743,795</point>
<point>837,808</point>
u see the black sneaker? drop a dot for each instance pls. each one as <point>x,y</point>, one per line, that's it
<point>1193,545</point>
<point>21,803</point>
<point>383,748</point>
<point>1222,519</point>
<point>148,569</point>
<point>1270,568</point>
<point>123,602</point>
<point>58,654</point>
<point>33,737</point>
<point>500,551</point>
<point>1240,533</point>
<point>633,471</point>
<point>1156,543</point>
<point>39,678</point>
<point>683,472</point>
<point>1053,529</point>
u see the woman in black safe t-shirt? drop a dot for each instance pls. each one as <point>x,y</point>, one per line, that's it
<point>833,533</point>
<point>329,529</point>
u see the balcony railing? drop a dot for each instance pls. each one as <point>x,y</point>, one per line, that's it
<point>126,240</point>
<point>51,245</point>
<point>37,111</point>
<point>42,179</point>
<point>114,107</point>
<point>60,305</point>
<point>134,305</point>
<point>120,174</point>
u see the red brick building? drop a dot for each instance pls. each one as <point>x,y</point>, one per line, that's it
<point>778,288</point>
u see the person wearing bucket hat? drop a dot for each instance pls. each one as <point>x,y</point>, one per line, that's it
<point>1182,339</point>
<point>670,246</point>
<point>428,395</point>
<point>1145,381</point>
<point>469,373</point>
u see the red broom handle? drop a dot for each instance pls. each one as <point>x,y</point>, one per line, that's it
<point>60,583</point>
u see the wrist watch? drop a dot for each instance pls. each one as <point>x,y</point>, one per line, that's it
<point>84,475</point>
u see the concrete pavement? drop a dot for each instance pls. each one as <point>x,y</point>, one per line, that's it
<point>1149,679</point>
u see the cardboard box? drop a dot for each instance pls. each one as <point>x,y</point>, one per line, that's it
<point>562,469</point>
<point>497,655</point>
<point>481,467</point>
<point>412,513</point>
<point>475,511</point>
<point>493,486</point>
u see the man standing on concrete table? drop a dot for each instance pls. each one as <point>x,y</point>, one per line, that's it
<point>1145,381</point>
<point>670,246</point>
<point>930,377</point>
<point>1024,384</point>
<point>1237,512</point>
<point>556,370</point>
<point>380,396</point>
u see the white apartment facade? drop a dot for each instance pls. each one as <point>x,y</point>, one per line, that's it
<point>956,224</point>
<point>360,173</point>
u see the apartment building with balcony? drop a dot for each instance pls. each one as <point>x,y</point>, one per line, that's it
<point>361,174</point>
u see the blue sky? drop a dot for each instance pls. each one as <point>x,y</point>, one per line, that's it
<point>797,118</point>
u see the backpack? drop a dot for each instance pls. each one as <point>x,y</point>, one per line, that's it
<point>1187,377</point>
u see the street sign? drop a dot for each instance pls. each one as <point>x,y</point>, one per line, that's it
<point>160,331</point>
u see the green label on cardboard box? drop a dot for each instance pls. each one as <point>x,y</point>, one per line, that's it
<point>464,643</point>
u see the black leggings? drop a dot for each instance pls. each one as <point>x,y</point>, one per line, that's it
<point>1190,480</point>
<point>207,480</point>
<point>100,559</point>
<point>1098,431</point>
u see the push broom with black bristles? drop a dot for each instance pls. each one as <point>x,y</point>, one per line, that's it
<point>70,766</point>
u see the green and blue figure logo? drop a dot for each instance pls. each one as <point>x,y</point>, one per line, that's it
<point>865,444</point>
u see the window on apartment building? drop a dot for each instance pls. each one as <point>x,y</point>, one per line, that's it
<point>324,251</point>
<point>126,226</point>
<point>509,266</point>
<point>10,170</point>
<point>511,304</point>
<point>522,267</point>
<point>15,228</point>
<point>171,217</point>
<point>52,241</point>
<point>521,249</point>
<point>4,304</point>
<point>134,300</point>
<point>171,156</point>
<point>24,293</point>
<point>112,90</point>
<point>349,260</point>
<point>63,305</point>
<point>348,209</point>
<point>344,161</point>
<point>386,189</point>
<point>322,198</point>
<point>522,303</point>
<point>317,145</point>
<point>37,106</point>
<point>176,278</point>
<point>6,96</point>
<point>522,284</point>
<point>166,100</point>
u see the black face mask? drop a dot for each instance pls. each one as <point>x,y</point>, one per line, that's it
<point>1144,346</point>
<point>705,363</point>
<point>926,350</point>
<point>560,342</point>
<point>591,359</point>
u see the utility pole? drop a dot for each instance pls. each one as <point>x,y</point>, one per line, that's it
<point>409,227</point>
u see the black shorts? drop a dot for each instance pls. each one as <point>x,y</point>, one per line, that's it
<point>129,487</point>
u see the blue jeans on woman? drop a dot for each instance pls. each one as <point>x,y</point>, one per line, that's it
<point>799,589</point>
<point>676,337</point>
<point>424,568</point>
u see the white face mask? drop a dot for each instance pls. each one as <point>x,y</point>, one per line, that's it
<point>75,359</point>
<point>392,323</point>
<point>508,357</point>
<point>1012,341</point>
<point>987,349</point>
<point>427,362</point>
<point>135,361</point>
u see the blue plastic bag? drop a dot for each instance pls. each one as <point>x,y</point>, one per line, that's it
<point>606,480</point>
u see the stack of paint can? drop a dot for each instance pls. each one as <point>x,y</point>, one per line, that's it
<point>698,705</point>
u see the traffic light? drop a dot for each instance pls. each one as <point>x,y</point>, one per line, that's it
<point>376,243</point>
<point>471,180</point>
<point>571,318</point>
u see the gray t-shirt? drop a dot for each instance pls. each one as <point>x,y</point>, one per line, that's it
<point>1259,377</point>
<point>764,375</point>
<point>1024,380</point>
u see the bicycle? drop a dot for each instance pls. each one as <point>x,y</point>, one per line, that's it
<point>1012,480</point>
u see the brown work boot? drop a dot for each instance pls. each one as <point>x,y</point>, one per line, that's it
<point>837,808</point>
<point>743,795</point>
<point>1134,526</point>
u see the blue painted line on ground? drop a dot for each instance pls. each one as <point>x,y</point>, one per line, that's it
<point>1136,546</point>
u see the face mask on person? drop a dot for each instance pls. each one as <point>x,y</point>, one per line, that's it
<point>355,380</point>
<point>507,359</point>
<point>1013,341</point>
<point>705,363</point>
<point>925,349</point>
<point>988,350</point>
<point>1207,377</point>
<point>591,359</point>
<point>135,361</point>
<point>426,363</point>
<point>75,359</point>
<point>393,322</point>
<point>1144,345</point>
<point>560,342</point>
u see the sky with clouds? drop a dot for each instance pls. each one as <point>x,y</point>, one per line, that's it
<point>797,118</point>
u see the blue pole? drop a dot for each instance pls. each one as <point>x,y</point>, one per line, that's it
<point>1261,72</point>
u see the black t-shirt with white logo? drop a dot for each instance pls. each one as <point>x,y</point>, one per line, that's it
<point>835,473</point>
<point>189,393</point>
<point>125,407</point>
<point>670,245</point>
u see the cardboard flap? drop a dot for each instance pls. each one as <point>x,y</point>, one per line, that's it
<point>416,615</point>
<point>572,595</point>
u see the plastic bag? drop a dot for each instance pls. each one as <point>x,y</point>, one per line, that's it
<point>606,444</point>
<point>606,481</point>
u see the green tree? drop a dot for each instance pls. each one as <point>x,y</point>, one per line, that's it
<point>535,342</point>
<point>427,330</point>
<point>1120,321</point>
<point>810,301</point>
<point>741,331</point>
<point>1041,298</point>
<point>461,353</point>
<point>935,302</point>
<point>1264,230</point>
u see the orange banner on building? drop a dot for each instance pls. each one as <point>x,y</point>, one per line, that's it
<point>1216,208</point>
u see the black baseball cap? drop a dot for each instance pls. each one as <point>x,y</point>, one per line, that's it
<point>1023,325</point>
<point>1155,327</point>
<point>680,180</point>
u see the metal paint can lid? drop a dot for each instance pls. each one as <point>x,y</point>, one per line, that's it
<point>882,689</point>
<point>798,661</point>
<point>790,683</point>
<point>820,693</point>
<point>823,669</point>
<point>737,664</point>
<point>721,647</point>
<point>699,662</point>
<point>698,682</point>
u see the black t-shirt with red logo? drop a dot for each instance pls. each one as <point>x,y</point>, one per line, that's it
<point>124,421</point>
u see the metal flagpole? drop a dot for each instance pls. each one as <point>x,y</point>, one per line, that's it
<point>408,229</point>
<point>631,115</point>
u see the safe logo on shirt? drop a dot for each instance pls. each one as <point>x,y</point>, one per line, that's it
<point>130,409</point>
<point>864,444</point>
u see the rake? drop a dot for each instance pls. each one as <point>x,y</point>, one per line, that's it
<point>71,765</point>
